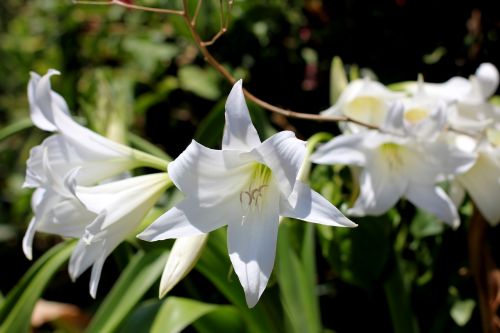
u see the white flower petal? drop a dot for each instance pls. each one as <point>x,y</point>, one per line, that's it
<point>252,246</point>
<point>239,133</point>
<point>380,189</point>
<point>182,258</point>
<point>96,275</point>
<point>95,164</point>
<point>126,201</point>
<point>283,153</point>
<point>188,219</point>
<point>447,159</point>
<point>344,149</point>
<point>204,175</point>
<point>41,116</point>
<point>34,168</point>
<point>310,206</point>
<point>488,77</point>
<point>434,200</point>
<point>28,239</point>
<point>482,184</point>
<point>86,252</point>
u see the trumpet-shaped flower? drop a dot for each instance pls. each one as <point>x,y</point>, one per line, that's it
<point>119,208</point>
<point>75,146</point>
<point>56,209</point>
<point>101,216</point>
<point>247,186</point>
<point>395,167</point>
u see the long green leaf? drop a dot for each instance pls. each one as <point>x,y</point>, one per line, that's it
<point>296,280</point>
<point>178,313</point>
<point>225,318</point>
<point>141,273</point>
<point>15,127</point>
<point>17,308</point>
<point>147,146</point>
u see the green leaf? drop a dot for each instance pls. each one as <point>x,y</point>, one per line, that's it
<point>461,311</point>
<point>296,280</point>
<point>225,318</point>
<point>147,146</point>
<point>200,81</point>
<point>149,53</point>
<point>398,299</point>
<point>210,130</point>
<point>141,273</point>
<point>15,127</point>
<point>141,319</point>
<point>370,249</point>
<point>178,313</point>
<point>338,79</point>
<point>425,224</point>
<point>15,313</point>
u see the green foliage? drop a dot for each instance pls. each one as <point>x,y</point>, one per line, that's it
<point>141,273</point>
<point>15,313</point>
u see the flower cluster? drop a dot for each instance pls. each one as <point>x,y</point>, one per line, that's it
<point>429,133</point>
<point>82,191</point>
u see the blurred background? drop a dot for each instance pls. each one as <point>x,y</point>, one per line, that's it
<point>146,67</point>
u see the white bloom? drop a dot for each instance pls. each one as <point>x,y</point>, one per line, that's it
<point>471,112</point>
<point>101,216</point>
<point>364,100</point>
<point>418,117</point>
<point>56,210</point>
<point>247,186</point>
<point>119,208</point>
<point>75,146</point>
<point>395,167</point>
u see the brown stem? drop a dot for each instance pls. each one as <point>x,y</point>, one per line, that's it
<point>485,272</point>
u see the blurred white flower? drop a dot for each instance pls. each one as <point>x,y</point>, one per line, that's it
<point>364,100</point>
<point>247,186</point>
<point>471,111</point>
<point>395,167</point>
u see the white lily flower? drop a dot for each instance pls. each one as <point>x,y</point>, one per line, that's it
<point>364,100</point>
<point>56,209</point>
<point>75,146</point>
<point>472,111</point>
<point>247,186</point>
<point>119,208</point>
<point>418,117</point>
<point>395,167</point>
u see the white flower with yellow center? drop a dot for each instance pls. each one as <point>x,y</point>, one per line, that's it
<point>395,167</point>
<point>247,186</point>
<point>471,111</point>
